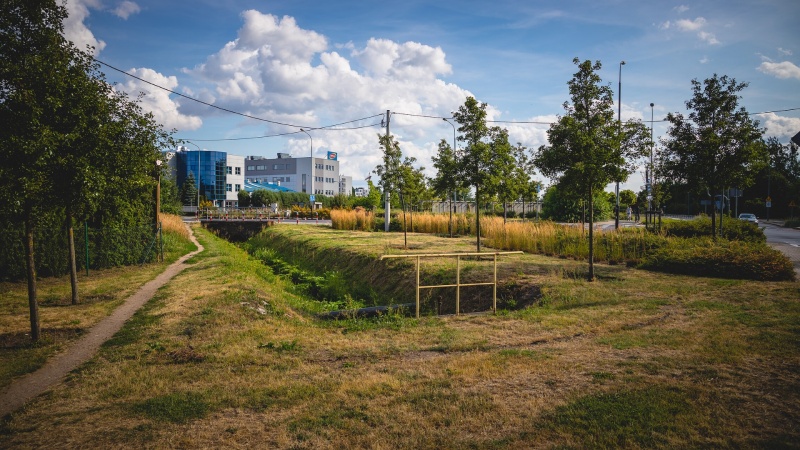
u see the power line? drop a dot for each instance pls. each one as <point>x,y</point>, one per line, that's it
<point>219,107</point>
<point>280,134</point>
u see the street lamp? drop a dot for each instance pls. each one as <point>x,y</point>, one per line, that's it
<point>311,189</point>
<point>619,129</point>
<point>158,190</point>
<point>450,224</point>
<point>651,185</point>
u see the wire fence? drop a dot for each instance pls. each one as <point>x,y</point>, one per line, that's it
<point>95,248</point>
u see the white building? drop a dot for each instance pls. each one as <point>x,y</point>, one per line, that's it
<point>362,192</point>
<point>234,179</point>
<point>295,173</point>
<point>345,185</point>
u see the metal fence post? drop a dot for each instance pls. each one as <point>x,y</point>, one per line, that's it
<point>458,284</point>
<point>417,287</point>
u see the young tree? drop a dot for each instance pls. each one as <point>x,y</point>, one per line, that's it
<point>718,145</point>
<point>485,153</point>
<point>189,190</point>
<point>447,177</point>
<point>588,147</point>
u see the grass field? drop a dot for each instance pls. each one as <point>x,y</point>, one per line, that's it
<point>229,355</point>
<point>61,323</point>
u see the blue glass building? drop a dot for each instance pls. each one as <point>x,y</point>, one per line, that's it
<point>212,170</point>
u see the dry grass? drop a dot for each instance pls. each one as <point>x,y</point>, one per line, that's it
<point>100,292</point>
<point>356,220</point>
<point>227,357</point>
<point>173,224</point>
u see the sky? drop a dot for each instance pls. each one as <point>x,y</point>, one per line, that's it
<point>342,64</point>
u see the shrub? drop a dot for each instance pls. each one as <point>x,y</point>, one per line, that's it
<point>792,223</point>
<point>724,259</point>
<point>732,229</point>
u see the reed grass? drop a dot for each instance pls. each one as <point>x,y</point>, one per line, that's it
<point>353,220</point>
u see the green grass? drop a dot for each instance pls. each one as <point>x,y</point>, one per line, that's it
<point>229,354</point>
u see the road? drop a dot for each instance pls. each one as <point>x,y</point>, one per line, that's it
<point>786,240</point>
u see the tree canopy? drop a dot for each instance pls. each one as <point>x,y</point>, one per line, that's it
<point>718,145</point>
<point>588,148</point>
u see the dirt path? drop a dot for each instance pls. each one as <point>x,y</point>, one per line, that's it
<point>54,370</point>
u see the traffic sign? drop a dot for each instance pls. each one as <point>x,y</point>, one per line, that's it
<point>311,197</point>
<point>769,204</point>
<point>769,199</point>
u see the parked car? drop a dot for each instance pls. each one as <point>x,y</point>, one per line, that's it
<point>748,217</point>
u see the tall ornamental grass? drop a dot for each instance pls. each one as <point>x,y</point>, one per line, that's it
<point>356,220</point>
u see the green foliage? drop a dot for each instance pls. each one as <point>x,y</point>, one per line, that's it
<point>732,229</point>
<point>718,145</point>
<point>170,196</point>
<point>189,191</point>
<point>724,259</point>
<point>561,206</point>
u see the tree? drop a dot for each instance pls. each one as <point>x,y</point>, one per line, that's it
<point>447,177</point>
<point>34,67</point>
<point>485,152</point>
<point>718,145</point>
<point>588,147</point>
<point>244,198</point>
<point>374,195</point>
<point>189,190</point>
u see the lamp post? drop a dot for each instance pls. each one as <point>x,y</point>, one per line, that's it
<point>450,224</point>
<point>158,191</point>
<point>311,189</point>
<point>619,129</point>
<point>651,188</point>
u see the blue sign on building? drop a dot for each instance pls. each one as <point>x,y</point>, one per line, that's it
<point>333,155</point>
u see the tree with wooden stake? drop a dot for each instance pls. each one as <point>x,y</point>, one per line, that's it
<point>588,148</point>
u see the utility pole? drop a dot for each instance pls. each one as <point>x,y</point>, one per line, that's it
<point>387,211</point>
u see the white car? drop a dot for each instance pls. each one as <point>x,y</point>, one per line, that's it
<point>748,217</point>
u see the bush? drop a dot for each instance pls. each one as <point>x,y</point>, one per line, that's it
<point>792,223</point>
<point>732,229</point>
<point>724,259</point>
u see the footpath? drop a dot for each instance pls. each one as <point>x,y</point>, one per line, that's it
<point>56,368</point>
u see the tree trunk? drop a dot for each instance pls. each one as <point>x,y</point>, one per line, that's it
<point>504,211</point>
<point>31,273</point>
<point>478,217</point>
<point>713,219</point>
<point>73,267</point>
<point>405,231</point>
<point>450,224</point>
<point>591,236</point>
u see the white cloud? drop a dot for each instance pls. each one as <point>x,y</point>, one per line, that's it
<point>709,38</point>
<point>782,70</point>
<point>277,70</point>
<point>126,9</point>
<point>681,9</point>
<point>780,126</point>
<point>665,25</point>
<point>784,51</point>
<point>74,28</point>
<point>690,25</point>
<point>704,60</point>
<point>155,100</point>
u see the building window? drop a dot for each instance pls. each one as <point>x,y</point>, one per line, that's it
<point>251,167</point>
<point>229,170</point>
<point>288,179</point>
<point>261,167</point>
<point>238,171</point>
<point>238,187</point>
<point>228,187</point>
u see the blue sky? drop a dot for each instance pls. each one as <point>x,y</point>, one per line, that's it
<point>316,63</point>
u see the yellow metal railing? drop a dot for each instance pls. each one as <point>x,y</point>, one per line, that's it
<point>458,284</point>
